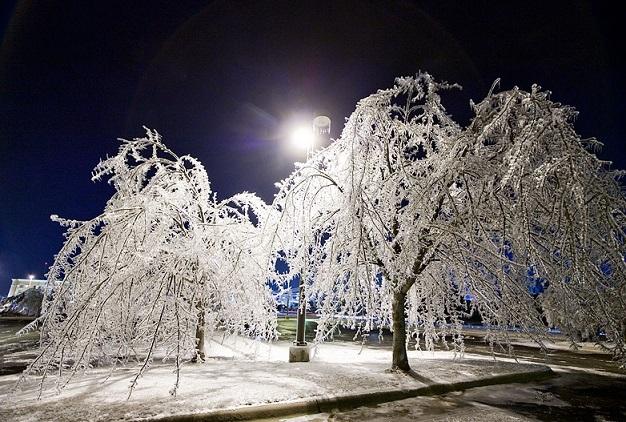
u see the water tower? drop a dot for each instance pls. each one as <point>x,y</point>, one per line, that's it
<point>321,126</point>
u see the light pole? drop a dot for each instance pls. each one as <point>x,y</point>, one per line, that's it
<point>299,352</point>
<point>301,316</point>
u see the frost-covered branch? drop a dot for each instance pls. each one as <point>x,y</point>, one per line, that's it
<point>163,264</point>
<point>428,213</point>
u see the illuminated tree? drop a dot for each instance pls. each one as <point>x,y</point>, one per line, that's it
<point>162,264</point>
<point>407,214</point>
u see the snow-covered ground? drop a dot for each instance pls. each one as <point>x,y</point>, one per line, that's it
<point>556,341</point>
<point>26,304</point>
<point>570,396</point>
<point>240,372</point>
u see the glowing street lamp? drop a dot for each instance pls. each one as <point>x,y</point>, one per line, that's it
<point>304,137</point>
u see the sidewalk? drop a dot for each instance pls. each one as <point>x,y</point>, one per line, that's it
<point>247,380</point>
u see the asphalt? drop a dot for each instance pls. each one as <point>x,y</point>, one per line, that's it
<point>329,403</point>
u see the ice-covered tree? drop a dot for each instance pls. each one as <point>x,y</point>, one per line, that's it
<point>408,213</point>
<point>163,263</point>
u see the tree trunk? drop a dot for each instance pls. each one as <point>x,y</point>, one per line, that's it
<point>400,358</point>
<point>200,351</point>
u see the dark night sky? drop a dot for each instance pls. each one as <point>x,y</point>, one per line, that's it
<point>222,80</point>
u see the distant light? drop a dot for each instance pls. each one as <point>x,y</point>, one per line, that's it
<point>31,276</point>
<point>302,137</point>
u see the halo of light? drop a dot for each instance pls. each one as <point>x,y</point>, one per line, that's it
<point>302,137</point>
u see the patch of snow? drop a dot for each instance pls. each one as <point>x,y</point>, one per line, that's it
<point>25,304</point>
<point>239,372</point>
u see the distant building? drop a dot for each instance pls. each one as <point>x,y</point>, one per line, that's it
<point>18,285</point>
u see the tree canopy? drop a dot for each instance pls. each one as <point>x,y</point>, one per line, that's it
<point>408,221</point>
<point>164,262</point>
<point>407,214</point>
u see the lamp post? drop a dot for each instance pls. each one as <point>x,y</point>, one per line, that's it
<point>301,316</point>
<point>299,352</point>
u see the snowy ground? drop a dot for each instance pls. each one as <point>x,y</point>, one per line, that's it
<point>15,351</point>
<point>554,342</point>
<point>589,386</point>
<point>239,373</point>
<point>570,396</point>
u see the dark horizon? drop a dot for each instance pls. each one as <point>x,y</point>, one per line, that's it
<point>222,82</point>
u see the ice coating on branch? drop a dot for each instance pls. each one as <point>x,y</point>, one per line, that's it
<point>408,207</point>
<point>163,259</point>
<point>393,225</point>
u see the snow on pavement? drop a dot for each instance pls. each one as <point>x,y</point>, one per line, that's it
<point>240,372</point>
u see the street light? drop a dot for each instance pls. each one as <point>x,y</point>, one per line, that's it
<point>305,137</point>
<point>301,137</point>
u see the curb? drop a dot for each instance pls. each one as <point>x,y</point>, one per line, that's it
<point>323,404</point>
